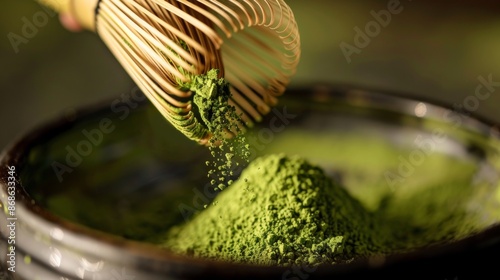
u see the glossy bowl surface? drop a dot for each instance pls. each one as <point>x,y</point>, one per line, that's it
<point>118,158</point>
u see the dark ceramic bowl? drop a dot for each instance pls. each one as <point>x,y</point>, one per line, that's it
<point>83,180</point>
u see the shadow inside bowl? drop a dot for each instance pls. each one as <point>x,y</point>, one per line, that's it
<point>121,179</point>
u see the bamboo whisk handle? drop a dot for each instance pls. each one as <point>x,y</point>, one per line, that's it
<point>61,6</point>
<point>82,10</point>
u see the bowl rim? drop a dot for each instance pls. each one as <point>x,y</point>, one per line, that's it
<point>13,154</point>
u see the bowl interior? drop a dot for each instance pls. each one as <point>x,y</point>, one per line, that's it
<point>134,176</point>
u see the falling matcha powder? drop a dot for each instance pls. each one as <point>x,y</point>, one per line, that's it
<point>211,98</point>
<point>282,211</point>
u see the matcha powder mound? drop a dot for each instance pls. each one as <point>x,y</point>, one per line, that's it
<point>282,211</point>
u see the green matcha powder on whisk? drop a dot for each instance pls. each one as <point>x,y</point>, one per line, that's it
<point>227,143</point>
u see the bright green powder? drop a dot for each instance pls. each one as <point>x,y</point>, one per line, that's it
<point>282,211</point>
<point>227,144</point>
<point>211,96</point>
<point>268,216</point>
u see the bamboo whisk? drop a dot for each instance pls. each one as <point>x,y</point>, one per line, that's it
<point>254,43</point>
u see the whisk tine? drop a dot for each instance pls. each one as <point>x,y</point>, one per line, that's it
<point>187,17</point>
<point>136,64</point>
<point>258,64</point>
<point>270,18</point>
<point>255,44</point>
<point>246,107</point>
<point>253,62</point>
<point>245,119</point>
<point>211,17</point>
<point>240,11</point>
<point>227,13</point>
<point>173,52</point>
<point>136,43</point>
<point>259,104</point>
<point>168,29</point>
<point>162,40</point>
<point>254,14</point>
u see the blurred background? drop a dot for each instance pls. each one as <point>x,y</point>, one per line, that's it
<point>428,49</point>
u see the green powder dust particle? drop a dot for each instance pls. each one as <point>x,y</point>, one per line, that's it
<point>227,144</point>
<point>285,211</point>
